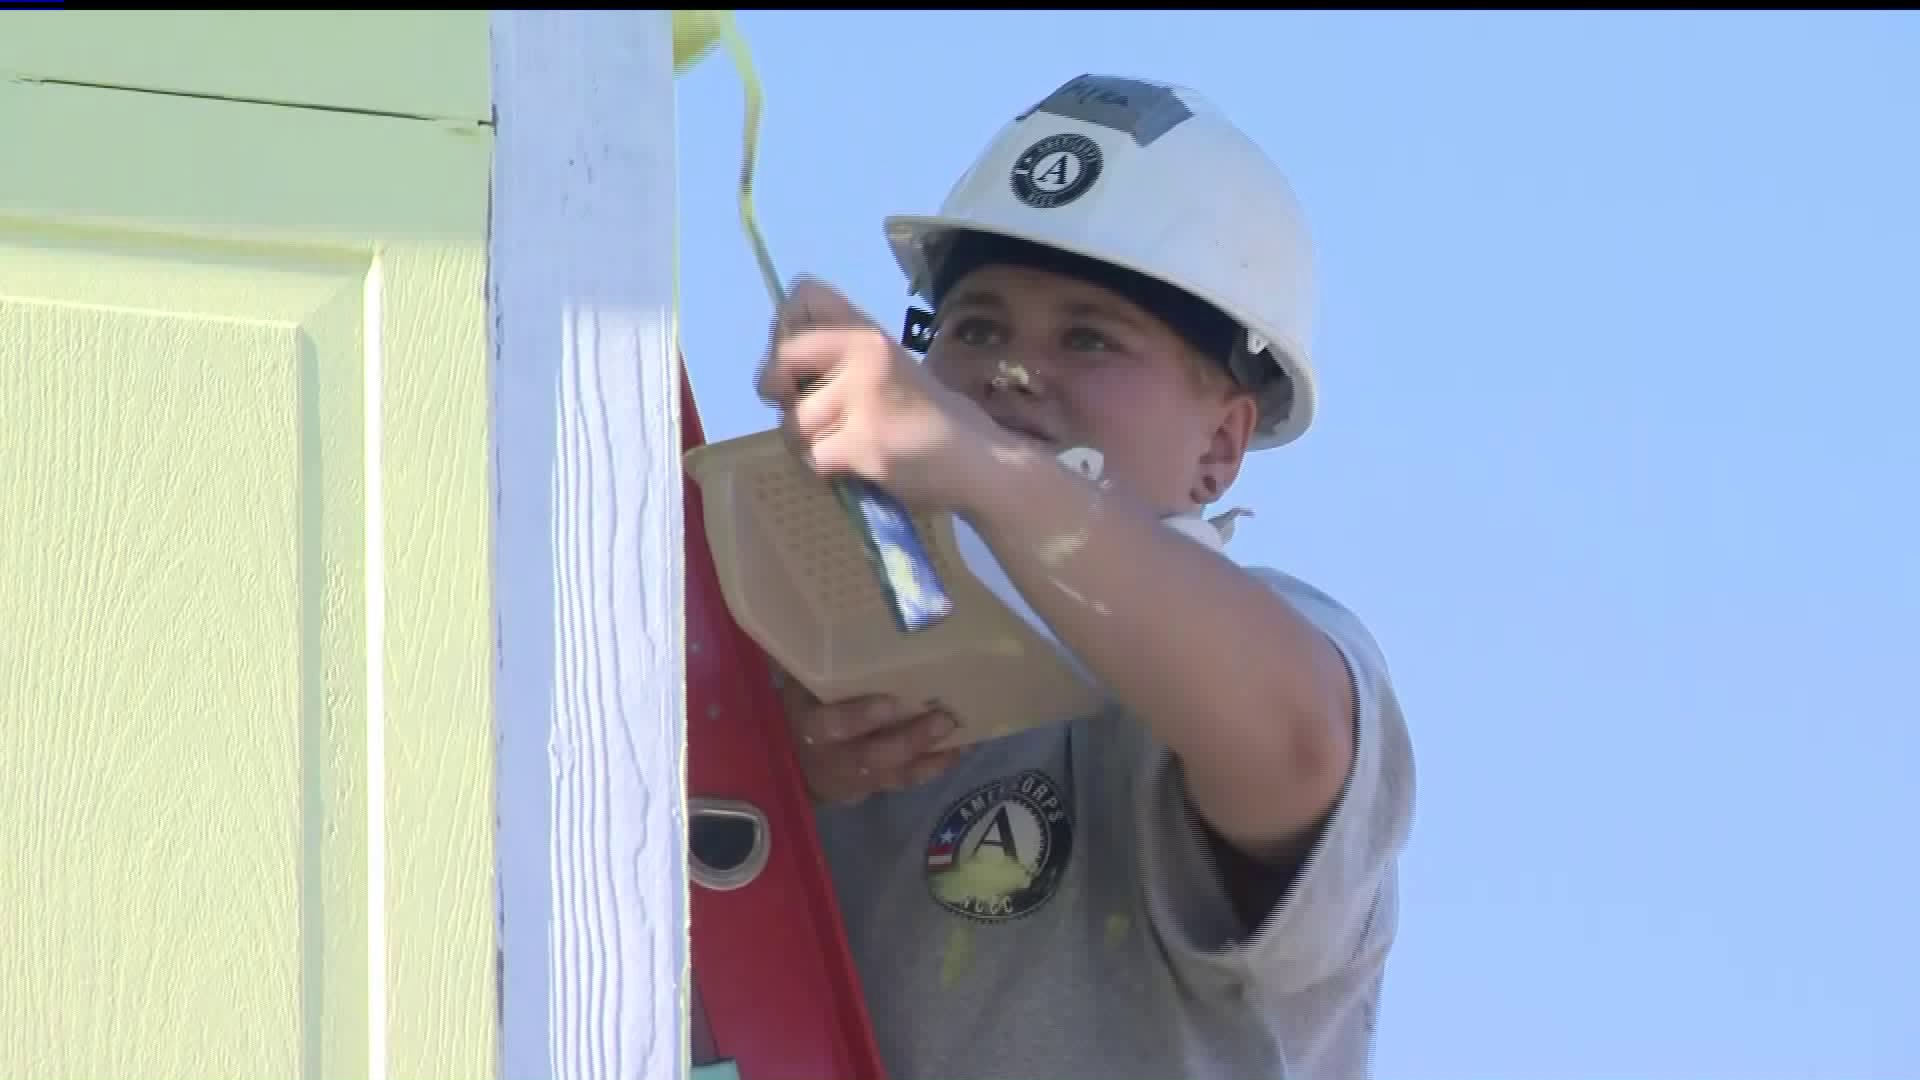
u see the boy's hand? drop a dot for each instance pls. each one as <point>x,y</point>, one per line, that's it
<point>852,749</point>
<point>853,401</point>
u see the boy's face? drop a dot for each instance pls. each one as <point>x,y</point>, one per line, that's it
<point>1099,372</point>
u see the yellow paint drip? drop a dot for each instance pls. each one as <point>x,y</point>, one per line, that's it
<point>958,959</point>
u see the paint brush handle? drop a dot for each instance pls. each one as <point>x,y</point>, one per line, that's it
<point>912,587</point>
<point>900,560</point>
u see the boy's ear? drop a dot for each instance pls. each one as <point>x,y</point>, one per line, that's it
<point>1219,465</point>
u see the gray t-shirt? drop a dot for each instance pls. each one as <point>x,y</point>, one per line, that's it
<point>1049,910</point>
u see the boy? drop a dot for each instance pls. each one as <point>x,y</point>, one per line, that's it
<point>1198,883</point>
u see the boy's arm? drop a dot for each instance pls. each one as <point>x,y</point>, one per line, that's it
<point>1255,701</point>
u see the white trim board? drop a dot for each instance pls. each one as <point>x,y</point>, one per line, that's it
<point>588,563</point>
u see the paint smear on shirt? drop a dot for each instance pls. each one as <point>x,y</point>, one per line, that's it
<point>987,874</point>
<point>959,957</point>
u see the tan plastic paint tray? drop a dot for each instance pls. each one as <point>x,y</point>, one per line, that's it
<point>796,578</point>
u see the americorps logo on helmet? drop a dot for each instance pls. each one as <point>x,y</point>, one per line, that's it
<point>1056,170</point>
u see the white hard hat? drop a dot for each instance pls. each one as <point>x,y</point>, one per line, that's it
<point>1153,179</point>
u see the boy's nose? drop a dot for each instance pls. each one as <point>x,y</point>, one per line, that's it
<point>1012,377</point>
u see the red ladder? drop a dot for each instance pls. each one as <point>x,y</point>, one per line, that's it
<point>776,992</point>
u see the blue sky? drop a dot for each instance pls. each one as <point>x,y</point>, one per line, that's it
<point>1619,347</point>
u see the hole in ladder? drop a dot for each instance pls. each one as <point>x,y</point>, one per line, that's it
<point>728,842</point>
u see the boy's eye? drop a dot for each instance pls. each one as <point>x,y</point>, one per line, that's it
<point>1081,337</point>
<point>975,332</point>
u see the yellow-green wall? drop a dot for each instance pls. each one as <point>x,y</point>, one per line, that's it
<point>246,813</point>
